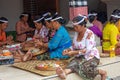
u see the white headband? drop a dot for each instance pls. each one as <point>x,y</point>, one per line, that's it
<point>76,23</point>
<point>48,18</point>
<point>38,19</point>
<point>24,14</point>
<point>116,16</point>
<point>46,14</point>
<point>82,15</point>
<point>57,18</point>
<point>94,14</point>
<point>4,21</point>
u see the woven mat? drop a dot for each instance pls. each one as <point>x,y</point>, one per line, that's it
<point>30,66</point>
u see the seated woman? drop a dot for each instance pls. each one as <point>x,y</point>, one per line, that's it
<point>110,33</point>
<point>58,43</point>
<point>48,24</point>
<point>96,22</point>
<point>41,31</point>
<point>86,56</point>
<point>95,29</point>
<point>3,25</point>
<point>22,28</point>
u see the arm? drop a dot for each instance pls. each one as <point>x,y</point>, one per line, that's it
<point>74,52</point>
<point>18,28</point>
<point>90,43</point>
<point>54,42</point>
<point>113,37</point>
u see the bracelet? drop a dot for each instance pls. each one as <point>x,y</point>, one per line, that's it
<point>80,53</point>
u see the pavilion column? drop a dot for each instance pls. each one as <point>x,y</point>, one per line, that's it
<point>77,7</point>
<point>111,5</point>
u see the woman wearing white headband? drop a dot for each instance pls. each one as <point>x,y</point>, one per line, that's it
<point>41,31</point>
<point>48,24</point>
<point>59,42</point>
<point>22,28</point>
<point>96,30</point>
<point>3,26</point>
<point>84,52</point>
<point>93,16</point>
<point>111,34</point>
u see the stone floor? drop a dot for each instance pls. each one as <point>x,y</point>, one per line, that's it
<point>7,72</point>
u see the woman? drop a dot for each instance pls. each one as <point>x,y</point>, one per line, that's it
<point>95,21</point>
<point>95,29</point>
<point>3,25</point>
<point>86,56</point>
<point>48,24</point>
<point>41,31</point>
<point>110,33</point>
<point>59,42</point>
<point>22,28</point>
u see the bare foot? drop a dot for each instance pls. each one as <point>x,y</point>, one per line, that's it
<point>27,56</point>
<point>103,74</point>
<point>61,73</point>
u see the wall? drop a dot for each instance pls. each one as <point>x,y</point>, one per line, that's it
<point>64,9</point>
<point>112,5</point>
<point>11,9</point>
<point>93,4</point>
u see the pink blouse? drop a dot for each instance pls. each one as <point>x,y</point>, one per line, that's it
<point>21,28</point>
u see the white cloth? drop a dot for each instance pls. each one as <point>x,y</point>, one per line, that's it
<point>43,32</point>
<point>87,44</point>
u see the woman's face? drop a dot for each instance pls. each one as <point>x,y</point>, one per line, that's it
<point>54,23</point>
<point>38,25</point>
<point>25,18</point>
<point>4,26</point>
<point>78,28</point>
<point>48,24</point>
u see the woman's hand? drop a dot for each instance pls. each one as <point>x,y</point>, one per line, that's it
<point>38,43</point>
<point>65,52</point>
<point>69,52</point>
<point>37,36</point>
<point>10,38</point>
<point>72,53</point>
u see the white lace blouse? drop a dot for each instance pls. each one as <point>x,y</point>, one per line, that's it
<point>86,43</point>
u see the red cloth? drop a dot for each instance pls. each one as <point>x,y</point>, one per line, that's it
<point>117,49</point>
<point>74,11</point>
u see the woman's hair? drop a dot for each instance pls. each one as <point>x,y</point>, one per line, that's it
<point>23,14</point>
<point>3,20</point>
<point>48,17</point>
<point>58,18</point>
<point>113,19</point>
<point>115,16</point>
<point>91,18</point>
<point>92,15</point>
<point>80,19</point>
<point>39,19</point>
